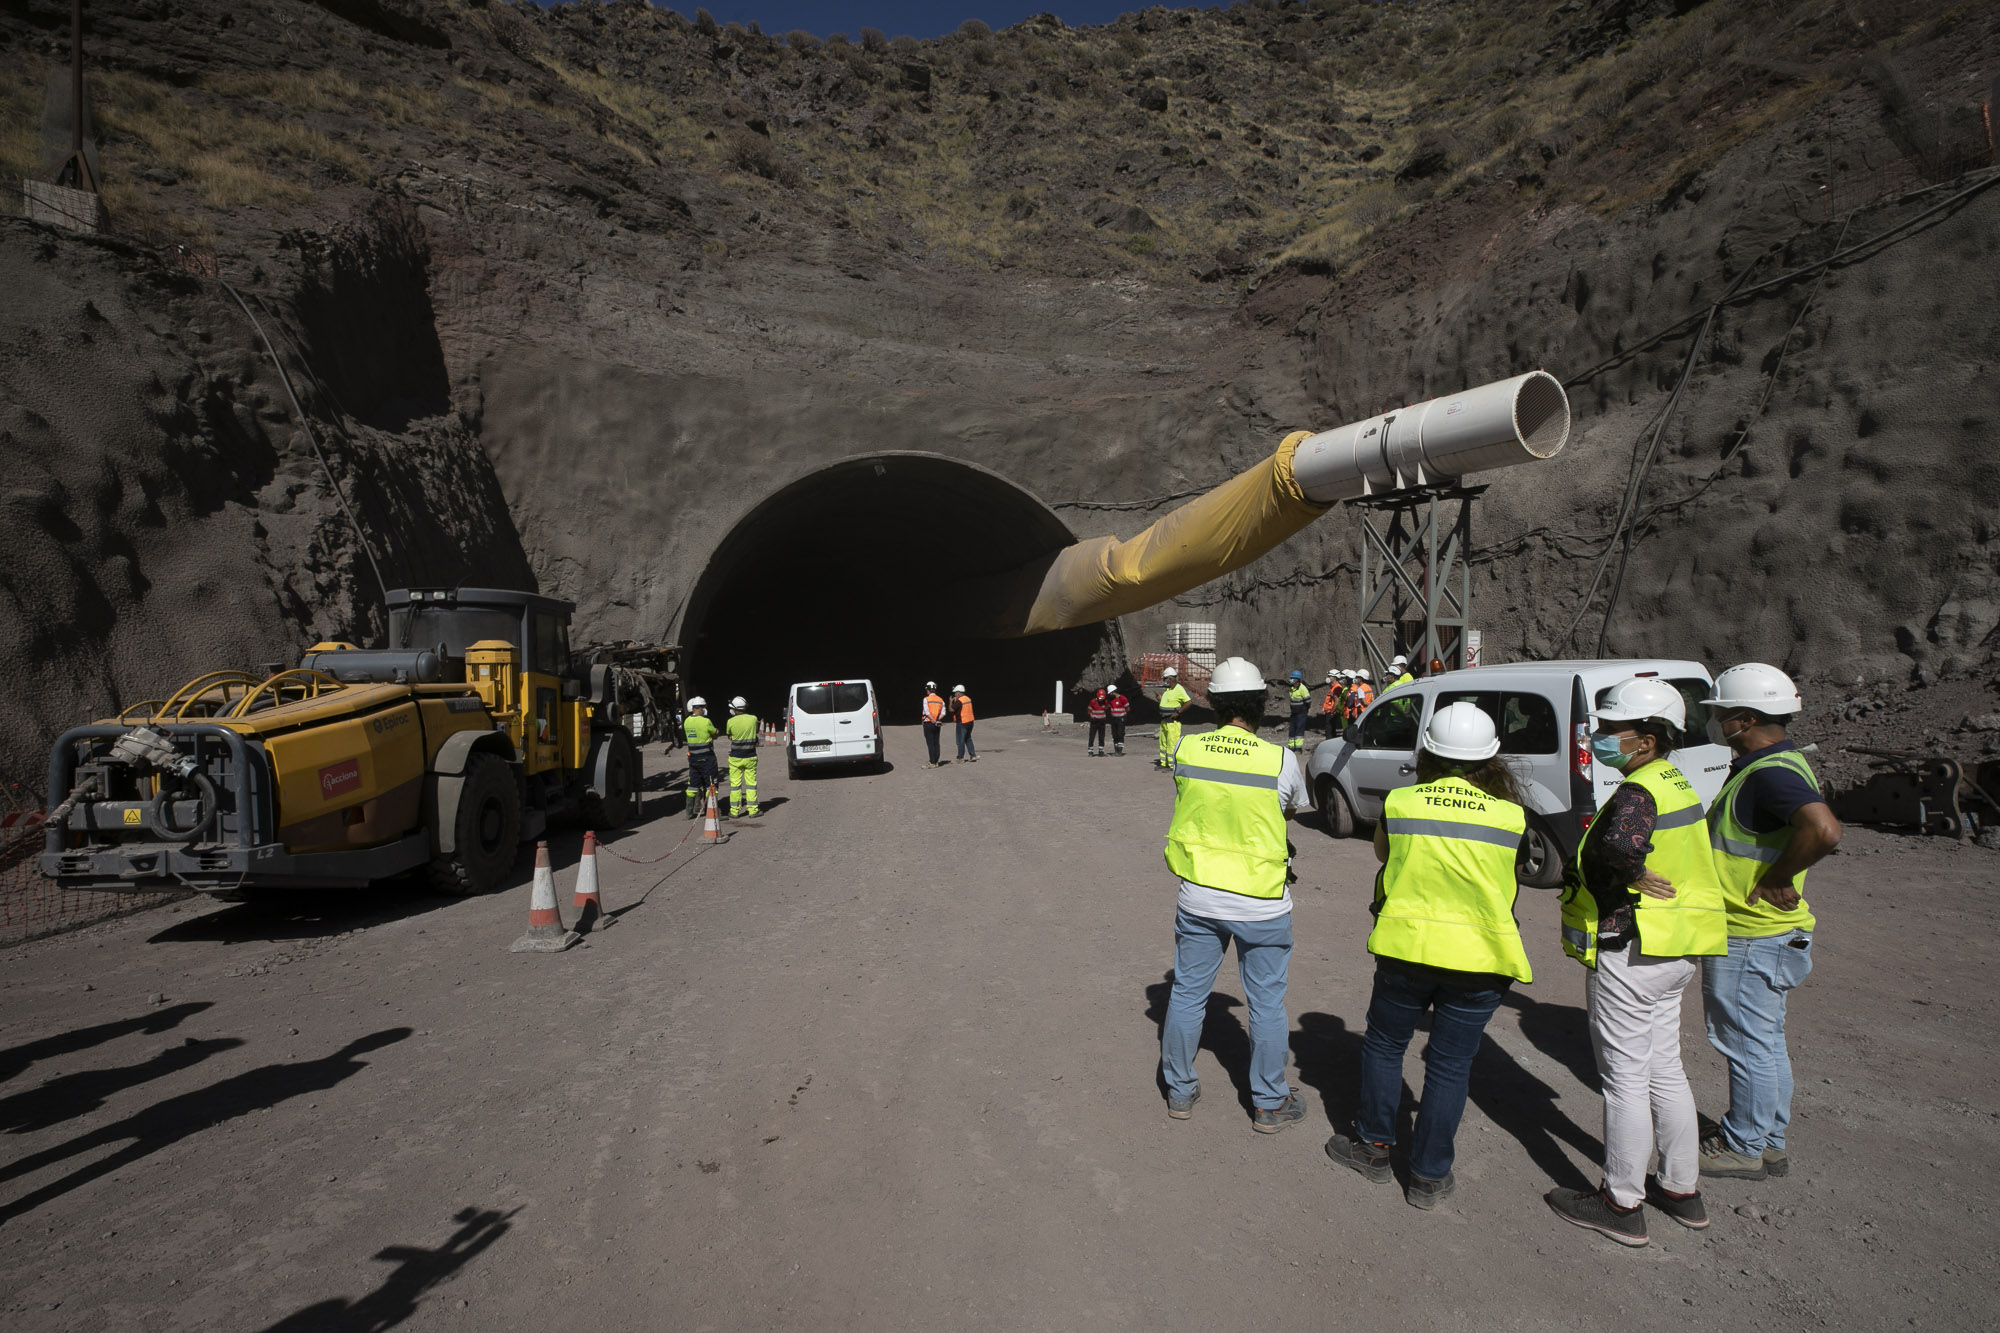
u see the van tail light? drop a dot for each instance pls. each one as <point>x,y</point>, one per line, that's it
<point>1580,752</point>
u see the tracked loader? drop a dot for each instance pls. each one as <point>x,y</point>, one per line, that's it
<point>445,750</point>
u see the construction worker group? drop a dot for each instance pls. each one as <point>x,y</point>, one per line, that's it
<point>1660,891</point>
<point>744,735</point>
<point>937,710</point>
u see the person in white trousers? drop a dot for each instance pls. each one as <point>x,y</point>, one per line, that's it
<point>1640,900</point>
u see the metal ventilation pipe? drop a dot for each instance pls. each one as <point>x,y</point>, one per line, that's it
<point>1519,420</point>
<point>1493,426</point>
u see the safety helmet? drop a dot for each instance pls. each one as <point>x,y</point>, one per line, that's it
<point>1331,674</point>
<point>930,684</point>
<point>1233,675</point>
<point>1101,689</point>
<point>1643,699</point>
<point>1169,674</point>
<point>1363,674</point>
<point>1111,689</point>
<point>1399,660</point>
<point>958,689</point>
<point>739,703</point>
<point>697,702</point>
<point>1462,731</point>
<point>1755,685</point>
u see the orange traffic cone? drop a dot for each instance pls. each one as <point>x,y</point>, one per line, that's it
<point>588,905</point>
<point>711,829</point>
<point>545,927</point>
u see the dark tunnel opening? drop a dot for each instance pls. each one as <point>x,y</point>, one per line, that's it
<point>856,571</point>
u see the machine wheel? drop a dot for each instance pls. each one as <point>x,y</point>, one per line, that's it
<point>486,832</point>
<point>1334,811</point>
<point>791,763</point>
<point>1540,864</point>
<point>607,802</point>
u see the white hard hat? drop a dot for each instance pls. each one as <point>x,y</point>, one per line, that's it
<point>1643,699</point>
<point>1461,731</point>
<point>739,702</point>
<point>1169,674</point>
<point>1331,674</point>
<point>1754,685</point>
<point>1363,674</point>
<point>1233,675</point>
<point>1111,689</point>
<point>1399,660</point>
<point>930,684</point>
<point>697,702</point>
<point>958,689</point>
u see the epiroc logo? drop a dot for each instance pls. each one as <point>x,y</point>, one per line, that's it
<point>336,779</point>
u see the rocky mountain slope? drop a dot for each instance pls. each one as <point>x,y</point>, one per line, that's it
<point>568,295</point>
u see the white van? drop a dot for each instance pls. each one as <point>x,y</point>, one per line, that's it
<point>832,722</point>
<point>1543,712</point>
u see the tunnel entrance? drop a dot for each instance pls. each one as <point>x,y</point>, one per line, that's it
<point>857,570</point>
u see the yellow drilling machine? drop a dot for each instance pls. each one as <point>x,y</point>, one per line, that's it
<point>445,750</point>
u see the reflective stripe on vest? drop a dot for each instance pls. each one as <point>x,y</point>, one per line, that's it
<point>933,708</point>
<point>1228,831</point>
<point>700,733</point>
<point>1692,922</point>
<point>1099,710</point>
<point>742,736</point>
<point>1120,705</point>
<point>1445,898</point>
<point>1742,854</point>
<point>962,708</point>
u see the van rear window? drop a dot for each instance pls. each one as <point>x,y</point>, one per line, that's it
<point>841,697</point>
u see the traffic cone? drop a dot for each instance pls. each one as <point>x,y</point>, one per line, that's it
<point>711,831</point>
<point>545,927</point>
<point>588,905</point>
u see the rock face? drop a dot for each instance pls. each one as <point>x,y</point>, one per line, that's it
<point>603,303</point>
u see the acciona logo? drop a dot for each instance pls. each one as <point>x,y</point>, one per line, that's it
<point>337,779</point>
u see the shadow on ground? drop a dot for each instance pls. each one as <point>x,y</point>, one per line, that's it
<point>417,1271</point>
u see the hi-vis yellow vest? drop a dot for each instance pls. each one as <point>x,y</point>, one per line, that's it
<point>742,729</point>
<point>1742,857</point>
<point>1692,921</point>
<point>1446,896</point>
<point>700,733</point>
<point>1228,830</point>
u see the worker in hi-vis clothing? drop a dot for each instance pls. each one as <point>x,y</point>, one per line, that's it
<point>1641,902</point>
<point>1300,700</point>
<point>1172,704</point>
<point>933,721</point>
<point>1359,695</point>
<point>1445,941</point>
<point>1118,706</point>
<point>1399,673</point>
<point>701,734</point>
<point>1333,709</point>
<point>1768,825</point>
<point>1233,792</point>
<point>961,713</point>
<point>1098,707</point>
<point>742,728</point>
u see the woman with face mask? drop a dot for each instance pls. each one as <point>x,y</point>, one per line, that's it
<point>1641,900</point>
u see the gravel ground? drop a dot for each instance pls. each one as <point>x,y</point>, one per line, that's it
<point>886,1058</point>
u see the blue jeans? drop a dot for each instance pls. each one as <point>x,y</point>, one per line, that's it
<point>1743,995</point>
<point>1263,955</point>
<point>965,745</point>
<point>1459,1019</point>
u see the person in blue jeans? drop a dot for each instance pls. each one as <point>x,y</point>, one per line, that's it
<point>1445,942</point>
<point>1233,792</point>
<point>1768,825</point>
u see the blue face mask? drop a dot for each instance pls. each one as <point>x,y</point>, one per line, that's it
<point>1608,751</point>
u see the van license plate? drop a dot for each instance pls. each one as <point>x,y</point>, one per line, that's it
<point>815,745</point>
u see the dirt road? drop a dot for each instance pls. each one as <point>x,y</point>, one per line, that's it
<point>886,1059</point>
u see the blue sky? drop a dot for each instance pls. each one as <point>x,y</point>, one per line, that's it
<point>897,17</point>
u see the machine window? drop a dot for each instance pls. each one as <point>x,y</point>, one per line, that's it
<point>551,646</point>
<point>1528,725</point>
<point>457,628</point>
<point>1392,724</point>
<point>839,697</point>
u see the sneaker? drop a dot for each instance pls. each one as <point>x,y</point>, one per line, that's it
<point>972,759</point>
<point>1720,1160</point>
<point>1421,1193</point>
<point>1271,1119</point>
<point>1369,1159</point>
<point>1592,1210</point>
<point>1685,1209</point>
<point>1777,1162</point>
<point>1180,1108</point>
